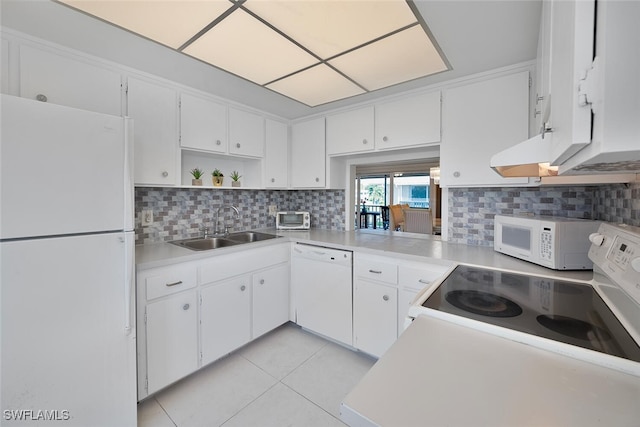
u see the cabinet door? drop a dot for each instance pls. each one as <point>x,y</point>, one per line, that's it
<point>246,133</point>
<point>405,297</point>
<point>350,132</point>
<point>277,154</point>
<point>479,120</point>
<point>203,124</point>
<point>408,122</point>
<point>225,317</point>
<point>67,81</point>
<point>572,32</point>
<point>308,154</point>
<point>375,317</point>
<point>172,339</point>
<point>270,299</point>
<point>154,109</point>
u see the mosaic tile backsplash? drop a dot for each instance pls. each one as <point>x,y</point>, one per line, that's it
<point>471,210</point>
<point>179,213</point>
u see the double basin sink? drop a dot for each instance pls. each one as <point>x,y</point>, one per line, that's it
<point>214,242</point>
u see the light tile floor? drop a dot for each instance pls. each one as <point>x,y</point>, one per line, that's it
<point>289,377</point>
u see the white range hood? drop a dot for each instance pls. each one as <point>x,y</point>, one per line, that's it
<point>591,125</point>
<point>526,159</point>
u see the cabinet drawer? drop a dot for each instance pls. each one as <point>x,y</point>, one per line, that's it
<point>373,269</point>
<point>417,277</point>
<point>170,280</point>
<point>225,266</point>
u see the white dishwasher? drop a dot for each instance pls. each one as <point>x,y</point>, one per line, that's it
<point>322,291</point>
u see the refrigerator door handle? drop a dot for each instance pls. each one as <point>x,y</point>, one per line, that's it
<point>129,278</point>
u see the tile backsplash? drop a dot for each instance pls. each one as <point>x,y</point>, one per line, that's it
<point>179,213</point>
<point>471,210</point>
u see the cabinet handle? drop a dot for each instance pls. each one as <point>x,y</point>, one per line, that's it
<point>385,297</point>
<point>179,282</point>
<point>186,307</point>
<point>262,281</point>
<point>456,174</point>
<point>317,179</point>
<point>242,288</point>
<point>375,271</point>
<point>273,180</point>
<point>238,145</point>
<point>364,141</point>
<point>165,174</point>
<point>385,139</point>
<point>42,98</point>
<point>426,282</point>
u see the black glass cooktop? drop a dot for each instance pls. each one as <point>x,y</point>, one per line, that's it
<point>570,312</point>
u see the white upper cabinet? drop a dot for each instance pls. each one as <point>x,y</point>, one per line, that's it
<point>572,38</point>
<point>64,80</point>
<point>350,132</point>
<point>203,124</point>
<point>408,122</point>
<point>277,154</point>
<point>479,120</point>
<point>308,154</point>
<point>154,109</point>
<point>246,133</point>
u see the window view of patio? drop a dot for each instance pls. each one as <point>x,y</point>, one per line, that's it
<point>396,201</point>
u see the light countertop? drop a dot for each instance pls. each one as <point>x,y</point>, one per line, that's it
<point>406,246</point>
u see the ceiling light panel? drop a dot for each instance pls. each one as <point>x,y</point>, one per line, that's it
<point>242,45</point>
<point>404,56</point>
<point>328,28</point>
<point>171,23</point>
<point>316,85</point>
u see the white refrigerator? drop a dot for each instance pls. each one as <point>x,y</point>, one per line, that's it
<point>66,267</point>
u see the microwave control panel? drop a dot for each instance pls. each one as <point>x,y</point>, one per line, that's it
<point>546,243</point>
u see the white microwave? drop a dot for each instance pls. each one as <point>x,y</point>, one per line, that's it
<point>556,243</point>
<point>293,220</point>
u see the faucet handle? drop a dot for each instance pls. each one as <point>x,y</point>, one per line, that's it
<point>205,231</point>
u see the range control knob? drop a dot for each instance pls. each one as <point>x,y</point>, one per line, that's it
<point>596,238</point>
<point>635,264</point>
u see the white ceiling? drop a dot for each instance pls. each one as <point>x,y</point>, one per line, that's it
<point>475,36</point>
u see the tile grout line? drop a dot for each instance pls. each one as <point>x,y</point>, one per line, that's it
<point>165,412</point>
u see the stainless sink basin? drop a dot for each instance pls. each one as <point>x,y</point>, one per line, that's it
<point>206,243</point>
<point>250,236</point>
<point>203,244</point>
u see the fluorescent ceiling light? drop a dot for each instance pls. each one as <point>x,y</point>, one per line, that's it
<point>314,51</point>
<point>167,22</point>
<point>330,27</point>
<point>406,55</point>
<point>244,46</point>
<point>316,85</point>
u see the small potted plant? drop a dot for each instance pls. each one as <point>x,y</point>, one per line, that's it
<point>197,176</point>
<point>235,179</point>
<point>217,177</point>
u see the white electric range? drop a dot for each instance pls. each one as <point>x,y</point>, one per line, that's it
<point>489,347</point>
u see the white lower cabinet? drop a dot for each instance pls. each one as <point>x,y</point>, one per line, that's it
<point>225,317</point>
<point>375,303</point>
<point>191,314</point>
<point>270,299</point>
<point>375,313</point>
<point>383,289</point>
<point>172,339</point>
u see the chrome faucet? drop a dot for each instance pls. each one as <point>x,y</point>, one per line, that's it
<point>215,225</point>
